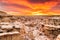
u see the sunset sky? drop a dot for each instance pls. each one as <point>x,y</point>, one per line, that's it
<point>30,7</point>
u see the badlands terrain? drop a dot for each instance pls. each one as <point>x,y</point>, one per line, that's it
<point>31,27</point>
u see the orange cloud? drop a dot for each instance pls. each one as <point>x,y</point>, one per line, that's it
<point>31,7</point>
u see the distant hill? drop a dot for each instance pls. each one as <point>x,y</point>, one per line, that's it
<point>2,13</point>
